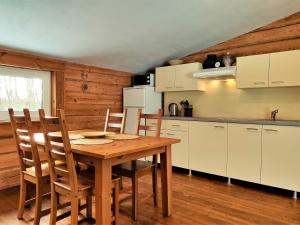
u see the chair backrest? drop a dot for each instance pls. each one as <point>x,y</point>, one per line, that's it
<point>111,120</point>
<point>59,149</point>
<point>23,132</point>
<point>156,124</point>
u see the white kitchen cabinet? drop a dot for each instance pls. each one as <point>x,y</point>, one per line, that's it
<point>244,152</point>
<point>284,69</point>
<point>177,125</point>
<point>180,154</point>
<point>252,71</point>
<point>184,80</point>
<point>165,78</point>
<point>208,147</point>
<point>152,134</point>
<point>178,78</point>
<point>174,129</point>
<point>281,157</point>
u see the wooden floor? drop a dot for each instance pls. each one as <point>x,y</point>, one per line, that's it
<point>196,200</point>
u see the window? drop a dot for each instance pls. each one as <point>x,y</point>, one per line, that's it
<point>24,88</point>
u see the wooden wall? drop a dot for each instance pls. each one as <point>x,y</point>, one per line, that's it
<point>281,35</point>
<point>88,109</point>
<point>83,109</point>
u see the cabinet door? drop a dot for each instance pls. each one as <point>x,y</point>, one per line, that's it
<point>180,154</point>
<point>281,157</point>
<point>208,147</point>
<point>153,133</point>
<point>252,71</point>
<point>165,78</point>
<point>184,80</point>
<point>284,69</point>
<point>244,152</point>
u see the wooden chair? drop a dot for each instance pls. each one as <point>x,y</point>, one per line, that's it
<point>65,180</point>
<point>115,124</point>
<point>32,169</point>
<point>139,168</point>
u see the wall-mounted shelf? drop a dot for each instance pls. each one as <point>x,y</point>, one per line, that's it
<point>216,73</point>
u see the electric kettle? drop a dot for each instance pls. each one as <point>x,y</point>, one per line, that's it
<point>173,109</point>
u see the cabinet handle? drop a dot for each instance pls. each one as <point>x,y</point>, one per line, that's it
<point>170,134</point>
<point>179,87</point>
<point>277,82</point>
<point>218,126</point>
<point>175,125</point>
<point>271,130</point>
<point>251,128</point>
<point>168,87</point>
<point>257,83</point>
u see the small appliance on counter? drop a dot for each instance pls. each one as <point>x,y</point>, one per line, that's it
<point>187,108</point>
<point>173,109</point>
<point>143,80</point>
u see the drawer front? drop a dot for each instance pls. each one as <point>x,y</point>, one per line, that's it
<point>152,133</point>
<point>152,122</point>
<point>177,125</point>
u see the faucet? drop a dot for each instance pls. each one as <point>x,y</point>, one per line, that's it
<point>273,114</point>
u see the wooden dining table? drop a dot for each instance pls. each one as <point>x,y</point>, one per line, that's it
<point>104,156</point>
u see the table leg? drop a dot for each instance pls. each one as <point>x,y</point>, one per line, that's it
<point>166,181</point>
<point>103,174</point>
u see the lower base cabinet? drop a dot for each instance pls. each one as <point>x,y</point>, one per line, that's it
<point>180,154</point>
<point>281,157</point>
<point>208,147</point>
<point>244,152</point>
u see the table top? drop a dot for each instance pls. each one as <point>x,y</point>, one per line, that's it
<point>117,147</point>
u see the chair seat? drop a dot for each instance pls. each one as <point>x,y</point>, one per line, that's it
<point>85,181</point>
<point>128,166</point>
<point>45,168</point>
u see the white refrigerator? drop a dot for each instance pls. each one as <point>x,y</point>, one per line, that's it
<point>135,98</point>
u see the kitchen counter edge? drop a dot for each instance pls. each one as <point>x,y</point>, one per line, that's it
<point>295,123</point>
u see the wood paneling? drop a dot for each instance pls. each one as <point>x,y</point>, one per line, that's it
<point>87,109</point>
<point>281,35</point>
<point>83,109</point>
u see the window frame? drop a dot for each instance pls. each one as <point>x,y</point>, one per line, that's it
<point>45,76</point>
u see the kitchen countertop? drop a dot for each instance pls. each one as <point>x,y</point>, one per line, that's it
<point>295,123</point>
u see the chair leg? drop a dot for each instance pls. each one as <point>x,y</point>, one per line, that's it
<point>38,204</point>
<point>54,203</point>
<point>23,192</point>
<point>121,183</point>
<point>134,197</point>
<point>74,210</point>
<point>116,202</point>
<point>154,185</point>
<point>89,202</point>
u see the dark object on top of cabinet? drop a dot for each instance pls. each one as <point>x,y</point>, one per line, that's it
<point>212,61</point>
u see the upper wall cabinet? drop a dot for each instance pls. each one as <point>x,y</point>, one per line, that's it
<point>165,78</point>
<point>178,78</point>
<point>252,71</point>
<point>280,69</point>
<point>284,69</point>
